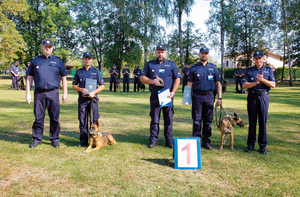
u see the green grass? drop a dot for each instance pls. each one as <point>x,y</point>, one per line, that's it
<point>130,168</point>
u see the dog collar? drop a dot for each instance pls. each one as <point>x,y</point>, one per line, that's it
<point>97,133</point>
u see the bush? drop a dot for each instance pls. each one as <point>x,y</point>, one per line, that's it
<point>295,73</point>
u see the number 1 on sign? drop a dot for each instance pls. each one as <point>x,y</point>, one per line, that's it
<point>188,152</point>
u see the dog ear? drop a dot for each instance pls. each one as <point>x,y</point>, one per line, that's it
<point>235,115</point>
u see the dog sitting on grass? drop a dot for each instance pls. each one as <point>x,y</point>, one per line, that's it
<point>98,139</point>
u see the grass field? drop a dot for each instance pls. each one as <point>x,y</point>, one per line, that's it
<point>130,168</point>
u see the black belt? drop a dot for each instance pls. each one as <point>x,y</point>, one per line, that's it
<point>259,93</point>
<point>203,92</point>
<point>44,90</point>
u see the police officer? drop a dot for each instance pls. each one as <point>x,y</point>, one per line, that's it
<point>46,71</point>
<point>259,79</point>
<point>137,73</point>
<point>113,77</point>
<point>15,75</point>
<point>185,74</point>
<point>26,72</point>
<point>126,73</point>
<point>239,73</point>
<point>169,73</point>
<point>204,78</point>
<point>84,103</point>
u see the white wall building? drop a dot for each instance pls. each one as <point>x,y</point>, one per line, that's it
<point>271,59</point>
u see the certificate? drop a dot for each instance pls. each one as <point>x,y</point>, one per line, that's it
<point>163,97</point>
<point>90,84</point>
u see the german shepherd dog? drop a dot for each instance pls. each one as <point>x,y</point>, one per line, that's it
<point>21,81</point>
<point>98,139</point>
<point>227,124</point>
<point>118,86</point>
<point>141,86</point>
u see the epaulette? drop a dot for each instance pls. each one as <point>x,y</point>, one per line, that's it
<point>268,67</point>
<point>249,67</point>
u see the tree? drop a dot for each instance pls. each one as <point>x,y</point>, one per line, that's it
<point>11,41</point>
<point>246,24</point>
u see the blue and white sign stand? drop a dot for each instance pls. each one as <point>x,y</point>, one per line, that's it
<point>187,153</point>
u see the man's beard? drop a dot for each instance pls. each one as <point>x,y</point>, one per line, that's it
<point>203,59</point>
<point>161,59</point>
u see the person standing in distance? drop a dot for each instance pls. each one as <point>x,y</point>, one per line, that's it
<point>239,73</point>
<point>185,74</point>
<point>15,74</point>
<point>169,73</point>
<point>113,77</point>
<point>46,71</point>
<point>126,73</point>
<point>259,79</point>
<point>204,78</point>
<point>137,73</point>
<point>84,103</point>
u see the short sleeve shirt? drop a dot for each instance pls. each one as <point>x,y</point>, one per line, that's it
<point>113,75</point>
<point>46,72</point>
<point>204,77</point>
<point>124,70</point>
<point>167,71</point>
<point>250,76</point>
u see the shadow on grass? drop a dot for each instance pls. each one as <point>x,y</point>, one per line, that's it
<point>162,162</point>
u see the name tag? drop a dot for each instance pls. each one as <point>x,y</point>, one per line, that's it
<point>161,70</point>
<point>210,77</point>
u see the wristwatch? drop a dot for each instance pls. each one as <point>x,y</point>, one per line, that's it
<point>219,98</point>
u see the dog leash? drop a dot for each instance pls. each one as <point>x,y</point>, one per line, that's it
<point>220,117</point>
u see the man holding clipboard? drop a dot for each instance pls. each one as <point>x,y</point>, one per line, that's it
<point>85,83</point>
<point>163,76</point>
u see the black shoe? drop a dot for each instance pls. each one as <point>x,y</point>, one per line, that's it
<point>152,144</point>
<point>262,150</point>
<point>34,144</point>
<point>249,149</point>
<point>207,146</point>
<point>55,144</point>
<point>82,145</point>
<point>170,145</point>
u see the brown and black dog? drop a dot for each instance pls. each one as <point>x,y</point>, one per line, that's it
<point>98,139</point>
<point>227,124</point>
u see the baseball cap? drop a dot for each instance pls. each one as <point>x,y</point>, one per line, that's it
<point>47,42</point>
<point>125,64</point>
<point>138,67</point>
<point>87,54</point>
<point>17,63</point>
<point>114,65</point>
<point>162,47</point>
<point>258,54</point>
<point>202,50</point>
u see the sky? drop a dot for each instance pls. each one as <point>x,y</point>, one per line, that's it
<point>198,15</point>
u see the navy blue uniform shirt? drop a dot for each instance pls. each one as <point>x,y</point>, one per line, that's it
<point>137,72</point>
<point>204,77</point>
<point>238,71</point>
<point>113,75</point>
<point>15,69</point>
<point>47,71</point>
<point>167,71</point>
<point>186,71</point>
<point>126,74</point>
<point>250,76</point>
<point>82,74</point>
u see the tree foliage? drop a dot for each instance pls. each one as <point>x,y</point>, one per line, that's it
<point>12,44</point>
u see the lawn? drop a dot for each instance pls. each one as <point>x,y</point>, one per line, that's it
<point>130,168</point>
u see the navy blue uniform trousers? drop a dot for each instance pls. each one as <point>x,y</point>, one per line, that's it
<point>15,82</point>
<point>239,80</point>
<point>113,80</point>
<point>43,100</point>
<point>84,105</point>
<point>257,105</point>
<point>155,111</point>
<point>125,82</point>
<point>184,82</point>
<point>202,109</point>
<point>136,83</point>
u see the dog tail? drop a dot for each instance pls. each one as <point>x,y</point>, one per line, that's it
<point>111,139</point>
